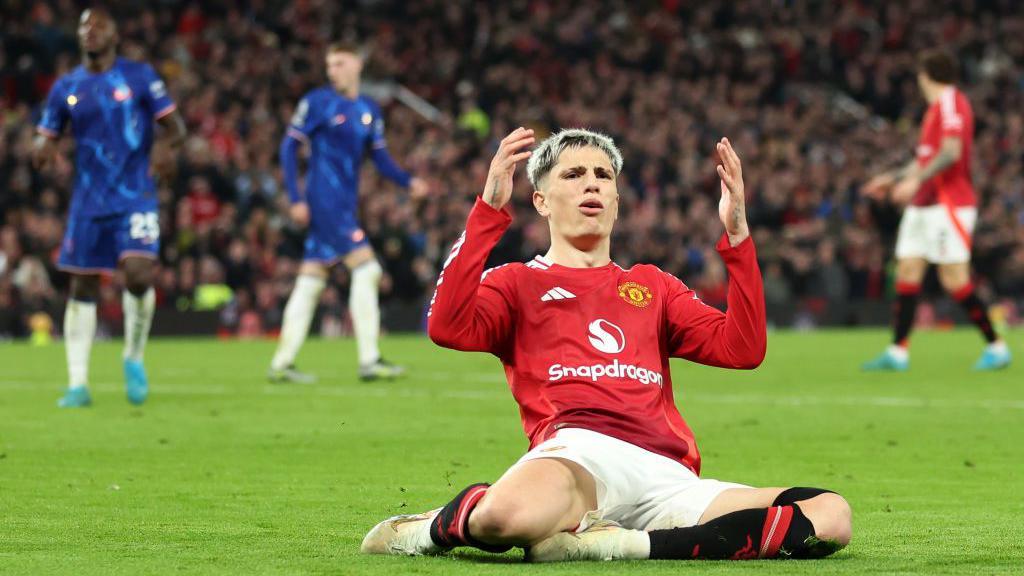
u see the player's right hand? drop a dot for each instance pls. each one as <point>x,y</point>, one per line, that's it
<point>299,213</point>
<point>511,151</point>
<point>878,186</point>
<point>44,152</point>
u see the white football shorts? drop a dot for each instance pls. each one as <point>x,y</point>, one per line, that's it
<point>929,232</point>
<point>635,487</point>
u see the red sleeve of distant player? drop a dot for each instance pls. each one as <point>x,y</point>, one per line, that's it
<point>736,338</point>
<point>953,109</point>
<point>470,312</point>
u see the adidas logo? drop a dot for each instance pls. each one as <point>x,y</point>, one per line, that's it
<point>556,293</point>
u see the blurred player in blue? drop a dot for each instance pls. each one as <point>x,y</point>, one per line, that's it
<point>111,104</point>
<point>341,127</point>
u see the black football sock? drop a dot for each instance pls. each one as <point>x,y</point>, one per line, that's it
<point>794,495</point>
<point>779,531</point>
<point>903,316</point>
<point>450,527</point>
<point>976,311</point>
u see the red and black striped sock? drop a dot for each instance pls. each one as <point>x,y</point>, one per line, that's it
<point>450,527</point>
<point>907,295</point>
<point>976,311</point>
<point>779,531</point>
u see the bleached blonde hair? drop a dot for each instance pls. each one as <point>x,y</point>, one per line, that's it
<point>545,156</point>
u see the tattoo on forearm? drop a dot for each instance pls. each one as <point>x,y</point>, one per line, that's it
<point>905,170</point>
<point>494,196</point>
<point>944,159</point>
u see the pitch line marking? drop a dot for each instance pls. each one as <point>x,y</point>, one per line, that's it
<point>388,391</point>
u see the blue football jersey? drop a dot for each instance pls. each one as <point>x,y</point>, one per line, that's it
<point>111,115</point>
<point>340,131</point>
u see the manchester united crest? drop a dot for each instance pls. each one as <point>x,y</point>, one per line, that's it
<point>636,294</point>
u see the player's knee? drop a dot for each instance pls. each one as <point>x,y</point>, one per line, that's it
<point>831,516</point>
<point>910,271</point>
<point>138,287</point>
<point>85,288</point>
<point>953,281</point>
<point>497,521</point>
<point>138,278</point>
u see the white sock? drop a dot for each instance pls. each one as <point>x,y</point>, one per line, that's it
<point>79,330</point>
<point>999,347</point>
<point>138,317</point>
<point>899,352</point>
<point>298,314</point>
<point>364,307</point>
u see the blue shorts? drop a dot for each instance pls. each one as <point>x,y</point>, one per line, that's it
<point>329,248</point>
<point>98,243</point>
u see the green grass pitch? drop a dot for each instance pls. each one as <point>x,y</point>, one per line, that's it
<point>221,472</point>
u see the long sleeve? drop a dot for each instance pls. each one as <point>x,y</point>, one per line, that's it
<point>736,338</point>
<point>471,310</point>
<point>290,167</point>
<point>377,144</point>
<point>388,168</point>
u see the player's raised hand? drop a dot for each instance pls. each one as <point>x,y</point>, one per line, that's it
<point>299,213</point>
<point>732,206</point>
<point>511,152</point>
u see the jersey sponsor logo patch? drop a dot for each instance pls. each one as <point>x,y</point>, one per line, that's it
<point>616,369</point>
<point>301,111</point>
<point>338,119</point>
<point>636,294</point>
<point>157,89</point>
<point>606,337</point>
<point>610,339</point>
<point>122,93</point>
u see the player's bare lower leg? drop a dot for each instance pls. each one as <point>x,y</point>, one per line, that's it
<point>740,524</point>
<point>956,280</point>
<point>364,306</point>
<point>298,315</point>
<point>531,502</point>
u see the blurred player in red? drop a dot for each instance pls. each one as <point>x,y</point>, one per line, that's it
<point>936,227</point>
<point>613,469</point>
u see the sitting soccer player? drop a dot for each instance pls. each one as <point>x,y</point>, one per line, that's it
<point>612,472</point>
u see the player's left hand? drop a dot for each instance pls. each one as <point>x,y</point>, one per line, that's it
<point>418,188</point>
<point>904,192</point>
<point>732,206</point>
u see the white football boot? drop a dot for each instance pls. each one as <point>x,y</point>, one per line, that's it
<point>407,535</point>
<point>604,540</point>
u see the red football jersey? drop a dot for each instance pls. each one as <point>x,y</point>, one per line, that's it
<point>590,347</point>
<point>950,115</point>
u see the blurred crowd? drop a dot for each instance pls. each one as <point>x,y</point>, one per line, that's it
<point>816,96</point>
